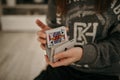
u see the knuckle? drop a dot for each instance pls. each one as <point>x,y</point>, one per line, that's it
<point>41,34</point>
<point>44,35</point>
<point>43,41</point>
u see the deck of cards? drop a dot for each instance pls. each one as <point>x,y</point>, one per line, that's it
<point>57,41</point>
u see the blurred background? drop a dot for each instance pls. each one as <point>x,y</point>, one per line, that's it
<point>21,57</point>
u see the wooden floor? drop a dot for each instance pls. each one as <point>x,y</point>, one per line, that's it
<point>20,56</point>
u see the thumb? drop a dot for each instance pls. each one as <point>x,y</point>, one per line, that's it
<point>59,56</point>
<point>41,24</point>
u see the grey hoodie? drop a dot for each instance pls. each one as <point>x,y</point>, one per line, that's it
<point>98,34</point>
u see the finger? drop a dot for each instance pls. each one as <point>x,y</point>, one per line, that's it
<point>60,56</point>
<point>43,46</point>
<point>63,62</point>
<point>42,41</point>
<point>41,34</point>
<point>46,59</point>
<point>41,25</point>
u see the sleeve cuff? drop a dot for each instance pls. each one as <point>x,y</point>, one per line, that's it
<point>89,54</point>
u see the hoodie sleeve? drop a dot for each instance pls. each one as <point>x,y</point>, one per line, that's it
<point>104,53</point>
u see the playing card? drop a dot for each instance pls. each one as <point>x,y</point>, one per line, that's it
<point>56,36</point>
<point>64,46</point>
<point>48,50</point>
<point>52,52</point>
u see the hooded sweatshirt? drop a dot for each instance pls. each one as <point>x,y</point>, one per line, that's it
<point>97,33</point>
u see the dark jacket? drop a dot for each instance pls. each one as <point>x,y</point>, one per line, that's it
<point>98,34</point>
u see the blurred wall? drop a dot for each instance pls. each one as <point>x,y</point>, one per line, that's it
<point>21,14</point>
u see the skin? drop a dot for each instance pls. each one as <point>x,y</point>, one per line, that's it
<point>64,58</point>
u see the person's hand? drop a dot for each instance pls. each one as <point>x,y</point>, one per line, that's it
<point>41,34</point>
<point>67,57</point>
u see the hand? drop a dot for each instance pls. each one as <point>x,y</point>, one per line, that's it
<point>41,34</point>
<point>67,57</point>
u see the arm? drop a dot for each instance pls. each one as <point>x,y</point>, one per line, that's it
<point>104,53</point>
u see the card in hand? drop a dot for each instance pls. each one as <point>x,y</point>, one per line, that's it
<point>65,46</point>
<point>62,47</point>
<point>56,36</point>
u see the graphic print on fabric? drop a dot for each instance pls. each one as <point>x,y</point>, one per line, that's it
<point>84,22</point>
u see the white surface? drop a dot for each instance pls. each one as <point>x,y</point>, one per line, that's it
<point>21,22</point>
<point>21,57</point>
